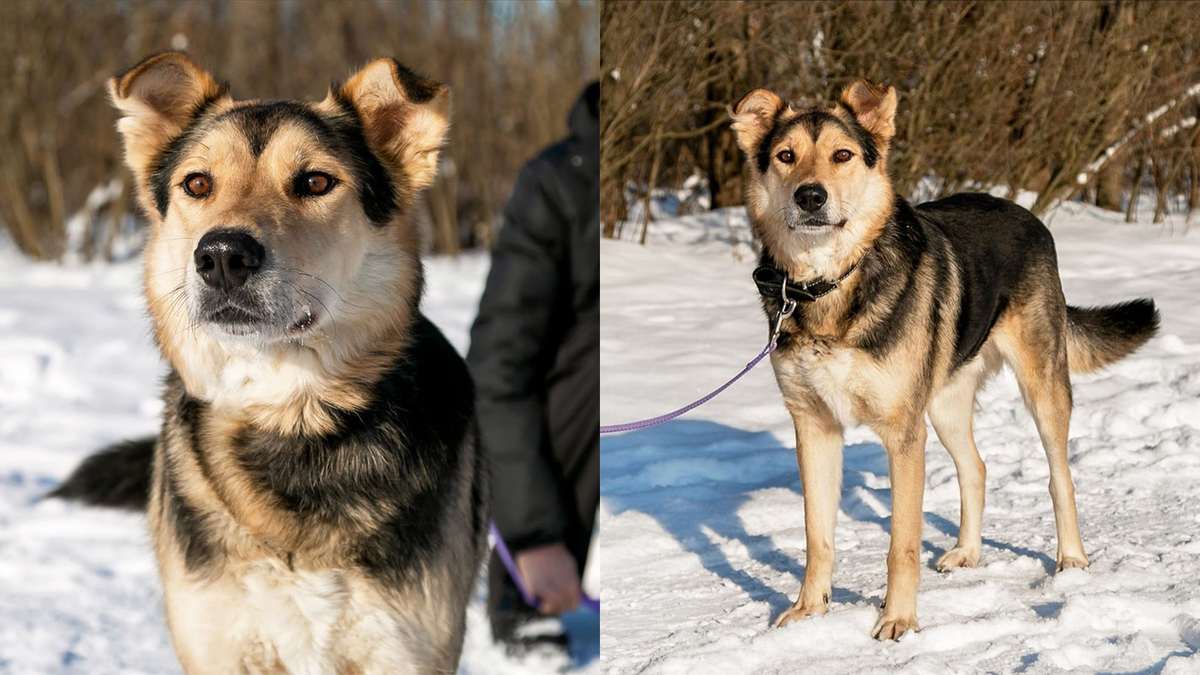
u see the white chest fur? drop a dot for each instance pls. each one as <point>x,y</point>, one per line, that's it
<point>296,614</point>
<point>262,617</point>
<point>820,367</point>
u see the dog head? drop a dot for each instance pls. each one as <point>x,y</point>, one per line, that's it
<point>278,229</point>
<point>819,187</point>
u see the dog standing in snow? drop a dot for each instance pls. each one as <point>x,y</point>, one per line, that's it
<point>317,497</point>
<point>891,312</point>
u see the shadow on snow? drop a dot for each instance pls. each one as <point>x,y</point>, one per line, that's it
<point>693,477</point>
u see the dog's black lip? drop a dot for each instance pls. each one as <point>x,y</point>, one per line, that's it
<point>230,314</point>
<point>818,223</point>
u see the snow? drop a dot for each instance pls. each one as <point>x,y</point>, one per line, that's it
<point>693,195</point>
<point>79,591</point>
<point>702,518</point>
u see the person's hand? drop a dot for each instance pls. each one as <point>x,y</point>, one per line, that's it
<point>551,575</point>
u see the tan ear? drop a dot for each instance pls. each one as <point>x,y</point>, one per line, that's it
<point>874,106</point>
<point>157,99</point>
<point>753,117</point>
<point>404,115</point>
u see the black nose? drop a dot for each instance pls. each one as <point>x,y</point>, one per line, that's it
<point>811,196</point>
<point>226,258</point>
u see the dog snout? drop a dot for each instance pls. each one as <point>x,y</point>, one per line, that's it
<point>811,197</point>
<point>225,259</point>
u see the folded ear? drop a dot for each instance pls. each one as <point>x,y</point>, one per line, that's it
<point>874,106</point>
<point>404,115</point>
<point>157,99</point>
<point>753,117</point>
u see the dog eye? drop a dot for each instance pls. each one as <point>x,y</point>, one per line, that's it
<point>842,156</point>
<point>786,156</point>
<point>313,184</point>
<point>197,185</point>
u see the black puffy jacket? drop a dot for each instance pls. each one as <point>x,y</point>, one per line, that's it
<point>535,344</point>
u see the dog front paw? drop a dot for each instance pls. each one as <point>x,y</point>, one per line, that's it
<point>802,609</point>
<point>1071,562</point>
<point>891,628</point>
<point>957,557</point>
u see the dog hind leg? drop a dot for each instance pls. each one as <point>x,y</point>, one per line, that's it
<point>1036,350</point>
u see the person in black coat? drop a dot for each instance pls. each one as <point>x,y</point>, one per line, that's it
<point>535,357</point>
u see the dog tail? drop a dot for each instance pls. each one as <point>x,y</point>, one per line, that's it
<point>117,476</point>
<point>1100,336</point>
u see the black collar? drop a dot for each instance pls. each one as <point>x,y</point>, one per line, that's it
<point>775,284</point>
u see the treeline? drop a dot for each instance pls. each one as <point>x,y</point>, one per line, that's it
<point>1097,100</point>
<point>515,69</point>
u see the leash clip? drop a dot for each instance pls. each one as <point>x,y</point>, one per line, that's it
<point>789,306</point>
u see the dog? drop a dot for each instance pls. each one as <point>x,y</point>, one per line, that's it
<point>317,494</point>
<point>889,312</point>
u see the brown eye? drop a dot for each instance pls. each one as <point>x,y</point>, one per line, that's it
<point>197,185</point>
<point>842,156</point>
<point>313,184</point>
<point>786,156</point>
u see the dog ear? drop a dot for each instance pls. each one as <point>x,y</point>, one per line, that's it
<point>874,106</point>
<point>753,117</point>
<point>157,99</point>
<point>404,115</point>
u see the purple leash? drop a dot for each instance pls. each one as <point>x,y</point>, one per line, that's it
<point>642,424</point>
<point>788,307</point>
<point>506,558</point>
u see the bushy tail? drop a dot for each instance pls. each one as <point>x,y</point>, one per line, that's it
<point>1099,336</point>
<point>117,476</point>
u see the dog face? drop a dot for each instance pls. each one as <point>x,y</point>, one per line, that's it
<point>278,227</point>
<point>819,185</point>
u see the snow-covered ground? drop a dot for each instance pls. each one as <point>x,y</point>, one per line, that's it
<point>78,588</point>
<point>701,519</point>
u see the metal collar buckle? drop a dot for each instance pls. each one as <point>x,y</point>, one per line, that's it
<point>789,306</point>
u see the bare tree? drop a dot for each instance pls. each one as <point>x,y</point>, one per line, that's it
<point>1042,96</point>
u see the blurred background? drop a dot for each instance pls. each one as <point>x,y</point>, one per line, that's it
<point>1093,101</point>
<point>515,68</point>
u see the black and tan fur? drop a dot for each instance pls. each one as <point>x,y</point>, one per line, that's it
<point>317,498</point>
<point>943,294</point>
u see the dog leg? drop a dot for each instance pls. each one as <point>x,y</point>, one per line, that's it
<point>906,470</point>
<point>819,454</point>
<point>1037,353</point>
<point>951,412</point>
<point>1047,391</point>
<point>1052,411</point>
